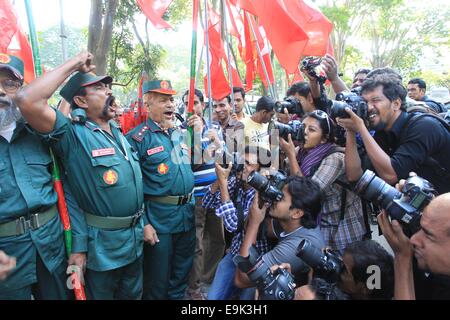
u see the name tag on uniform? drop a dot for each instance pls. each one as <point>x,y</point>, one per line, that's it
<point>103,152</point>
<point>155,150</point>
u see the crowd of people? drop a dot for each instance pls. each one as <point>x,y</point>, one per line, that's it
<point>177,207</point>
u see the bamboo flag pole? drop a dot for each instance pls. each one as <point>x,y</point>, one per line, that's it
<point>230,67</point>
<point>272,93</point>
<point>208,66</point>
<point>62,205</point>
<point>190,108</point>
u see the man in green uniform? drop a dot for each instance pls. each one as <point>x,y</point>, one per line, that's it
<point>102,171</point>
<point>168,183</point>
<point>30,228</point>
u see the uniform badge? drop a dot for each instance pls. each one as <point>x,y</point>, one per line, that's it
<point>155,150</point>
<point>184,146</point>
<point>163,168</point>
<point>4,58</point>
<point>103,152</point>
<point>164,85</point>
<point>110,177</point>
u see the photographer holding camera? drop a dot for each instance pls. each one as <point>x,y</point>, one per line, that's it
<point>349,278</point>
<point>232,197</point>
<point>402,143</point>
<point>430,246</point>
<point>296,213</point>
<point>341,220</point>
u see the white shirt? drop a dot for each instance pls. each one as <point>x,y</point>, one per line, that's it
<point>8,131</point>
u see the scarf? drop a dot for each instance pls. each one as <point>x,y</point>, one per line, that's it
<point>308,159</point>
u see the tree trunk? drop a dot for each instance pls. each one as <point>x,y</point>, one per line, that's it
<point>100,31</point>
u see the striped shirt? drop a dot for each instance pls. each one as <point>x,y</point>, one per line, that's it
<point>228,212</point>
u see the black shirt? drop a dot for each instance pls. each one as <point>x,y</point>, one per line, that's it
<point>421,140</point>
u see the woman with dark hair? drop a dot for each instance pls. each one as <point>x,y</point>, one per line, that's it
<point>341,219</point>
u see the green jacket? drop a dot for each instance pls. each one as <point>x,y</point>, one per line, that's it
<point>104,175</point>
<point>25,188</point>
<point>166,168</point>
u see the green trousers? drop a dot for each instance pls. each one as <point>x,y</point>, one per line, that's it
<point>124,283</point>
<point>167,265</point>
<point>49,286</point>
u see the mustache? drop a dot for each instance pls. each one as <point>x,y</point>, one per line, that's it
<point>108,103</point>
<point>9,114</point>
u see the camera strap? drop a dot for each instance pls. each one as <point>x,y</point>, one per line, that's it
<point>237,200</point>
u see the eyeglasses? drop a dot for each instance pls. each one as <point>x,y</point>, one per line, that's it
<point>10,86</point>
<point>322,115</point>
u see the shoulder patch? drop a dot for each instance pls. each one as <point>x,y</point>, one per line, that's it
<point>139,136</point>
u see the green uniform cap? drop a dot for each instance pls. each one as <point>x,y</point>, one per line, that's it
<point>160,86</point>
<point>13,64</point>
<point>80,80</point>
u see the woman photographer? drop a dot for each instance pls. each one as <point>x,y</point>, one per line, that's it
<point>341,219</point>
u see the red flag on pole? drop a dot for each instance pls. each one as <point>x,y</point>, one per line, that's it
<point>154,11</point>
<point>220,87</point>
<point>8,24</point>
<point>14,41</point>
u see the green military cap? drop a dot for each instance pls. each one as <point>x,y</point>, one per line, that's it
<point>80,80</point>
<point>160,86</point>
<point>12,64</point>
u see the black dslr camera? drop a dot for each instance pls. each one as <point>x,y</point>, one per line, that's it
<point>312,66</point>
<point>326,265</point>
<point>405,206</point>
<point>272,286</point>
<point>295,128</point>
<point>351,100</point>
<point>269,189</point>
<point>291,104</point>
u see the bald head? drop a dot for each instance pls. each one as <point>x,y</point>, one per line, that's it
<point>438,212</point>
<point>432,242</point>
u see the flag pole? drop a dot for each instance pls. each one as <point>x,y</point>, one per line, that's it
<point>190,108</point>
<point>33,39</point>
<point>230,67</point>
<point>260,56</point>
<point>208,67</point>
<point>63,31</point>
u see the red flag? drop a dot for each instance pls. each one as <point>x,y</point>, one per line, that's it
<point>220,86</point>
<point>14,41</point>
<point>314,23</point>
<point>25,53</point>
<point>265,53</point>
<point>294,29</point>
<point>154,11</point>
<point>8,24</point>
<point>247,5</point>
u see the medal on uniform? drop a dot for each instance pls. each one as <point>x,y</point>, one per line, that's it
<point>110,177</point>
<point>163,168</point>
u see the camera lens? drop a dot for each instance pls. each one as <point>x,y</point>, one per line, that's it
<point>337,110</point>
<point>311,255</point>
<point>258,181</point>
<point>376,190</point>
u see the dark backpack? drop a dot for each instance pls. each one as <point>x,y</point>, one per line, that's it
<point>431,162</point>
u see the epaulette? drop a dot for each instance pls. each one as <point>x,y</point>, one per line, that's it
<point>139,136</point>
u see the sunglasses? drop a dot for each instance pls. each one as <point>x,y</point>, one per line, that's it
<point>322,115</point>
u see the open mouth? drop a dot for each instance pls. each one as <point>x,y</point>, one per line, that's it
<point>169,114</point>
<point>372,116</point>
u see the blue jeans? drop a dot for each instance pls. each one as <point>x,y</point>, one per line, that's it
<point>222,287</point>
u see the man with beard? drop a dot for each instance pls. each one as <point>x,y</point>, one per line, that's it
<point>403,142</point>
<point>101,169</point>
<point>169,230</point>
<point>30,228</point>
